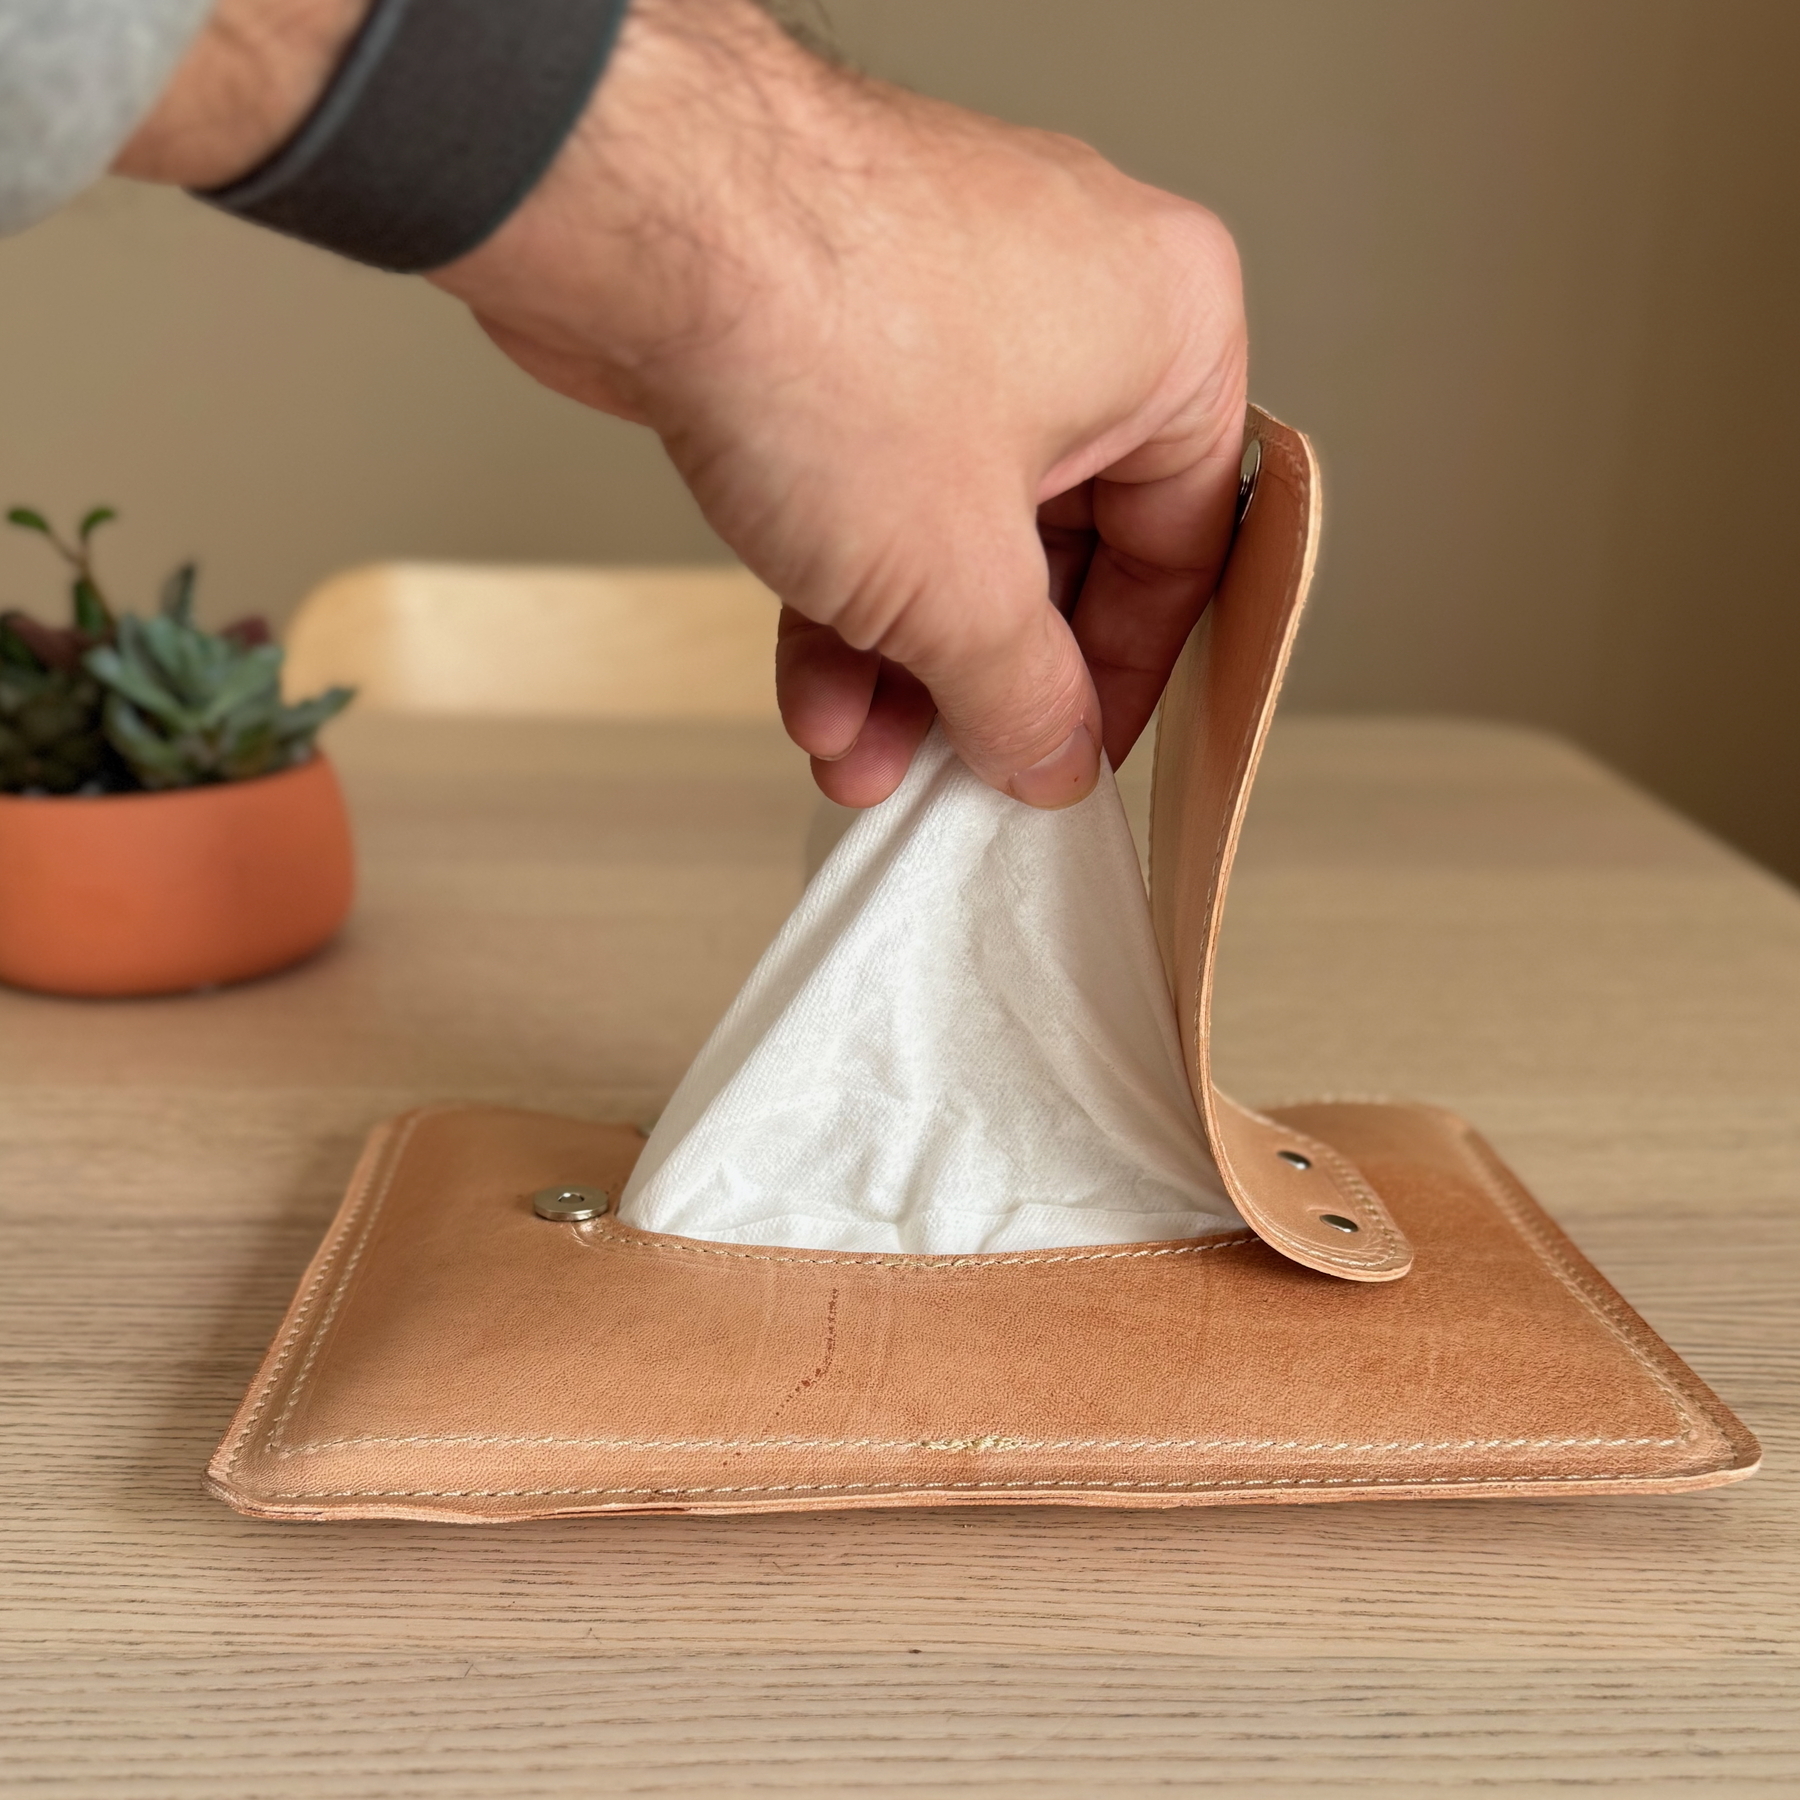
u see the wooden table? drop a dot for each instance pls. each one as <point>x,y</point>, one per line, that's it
<point>554,914</point>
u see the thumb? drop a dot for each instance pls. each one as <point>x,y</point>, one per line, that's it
<point>1004,670</point>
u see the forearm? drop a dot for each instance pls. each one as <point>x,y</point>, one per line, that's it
<point>689,184</point>
<point>257,68</point>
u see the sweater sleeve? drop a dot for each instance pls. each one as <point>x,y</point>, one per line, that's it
<point>76,77</point>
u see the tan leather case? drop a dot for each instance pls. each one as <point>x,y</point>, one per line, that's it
<point>1403,1321</point>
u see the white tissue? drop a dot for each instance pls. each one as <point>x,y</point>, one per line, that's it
<point>962,1040</point>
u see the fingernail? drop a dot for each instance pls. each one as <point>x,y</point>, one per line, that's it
<point>1063,777</point>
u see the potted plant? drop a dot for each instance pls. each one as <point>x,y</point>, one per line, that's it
<point>166,822</point>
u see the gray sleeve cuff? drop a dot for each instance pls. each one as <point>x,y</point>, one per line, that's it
<point>76,77</point>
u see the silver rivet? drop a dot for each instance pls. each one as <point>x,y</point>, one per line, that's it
<point>1247,473</point>
<point>1294,1157</point>
<point>570,1205</point>
<point>1338,1222</point>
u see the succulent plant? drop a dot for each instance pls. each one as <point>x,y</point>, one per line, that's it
<point>52,732</point>
<point>187,706</point>
<point>116,701</point>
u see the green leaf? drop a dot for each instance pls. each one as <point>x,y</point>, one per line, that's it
<point>186,706</point>
<point>254,678</point>
<point>92,614</point>
<point>15,650</point>
<point>27,520</point>
<point>127,677</point>
<point>178,658</point>
<point>257,750</point>
<point>178,595</point>
<point>299,722</point>
<point>95,518</point>
<point>154,760</point>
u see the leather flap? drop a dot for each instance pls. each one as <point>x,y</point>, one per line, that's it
<point>1299,1195</point>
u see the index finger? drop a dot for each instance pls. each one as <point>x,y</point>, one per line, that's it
<point>1162,536</point>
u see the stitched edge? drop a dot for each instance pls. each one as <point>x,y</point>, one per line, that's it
<point>845,1487</point>
<point>392,1153</point>
<point>1349,1180</point>
<point>1247,755</point>
<point>1609,1309</point>
<point>1602,1307</point>
<point>626,1239</point>
<point>982,1445</point>
<point>374,1195</point>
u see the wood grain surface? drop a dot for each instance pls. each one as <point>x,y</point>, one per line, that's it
<point>554,914</point>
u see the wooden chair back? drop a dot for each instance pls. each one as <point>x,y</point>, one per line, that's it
<point>628,643</point>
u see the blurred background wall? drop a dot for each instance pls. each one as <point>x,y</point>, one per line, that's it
<point>1528,270</point>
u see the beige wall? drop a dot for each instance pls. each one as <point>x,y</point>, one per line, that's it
<point>1511,263</point>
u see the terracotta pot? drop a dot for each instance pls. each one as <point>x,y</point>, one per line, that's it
<point>157,893</point>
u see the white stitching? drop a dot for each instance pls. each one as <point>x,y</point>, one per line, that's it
<point>343,1286</point>
<point>981,1445</point>
<point>1609,1309</point>
<point>1350,1179</point>
<point>1498,1191</point>
<point>626,1239</point>
<point>844,1487</point>
<point>391,1153</point>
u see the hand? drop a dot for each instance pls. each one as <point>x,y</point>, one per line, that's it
<point>966,397</point>
<point>937,380</point>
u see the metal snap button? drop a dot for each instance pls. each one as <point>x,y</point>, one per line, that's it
<point>1248,470</point>
<point>570,1205</point>
<point>1338,1222</point>
<point>1294,1157</point>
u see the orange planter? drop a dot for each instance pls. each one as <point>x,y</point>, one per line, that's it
<point>158,893</point>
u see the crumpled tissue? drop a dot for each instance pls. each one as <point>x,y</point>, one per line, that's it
<point>961,1041</point>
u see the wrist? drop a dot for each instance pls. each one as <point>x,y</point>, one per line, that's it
<point>690,183</point>
<point>256,70</point>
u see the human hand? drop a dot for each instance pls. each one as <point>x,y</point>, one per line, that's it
<point>939,381</point>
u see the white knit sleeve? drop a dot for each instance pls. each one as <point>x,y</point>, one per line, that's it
<point>76,77</point>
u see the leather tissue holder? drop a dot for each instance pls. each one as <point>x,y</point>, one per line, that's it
<point>1401,1322</point>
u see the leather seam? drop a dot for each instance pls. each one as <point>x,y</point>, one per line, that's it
<point>985,1446</point>
<point>601,1229</point>
<point>375,1195</point>
<point>1492,1176</point>
<point>372,1196</point>
<point>840,1487</point>
<point>1348,1179</point>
